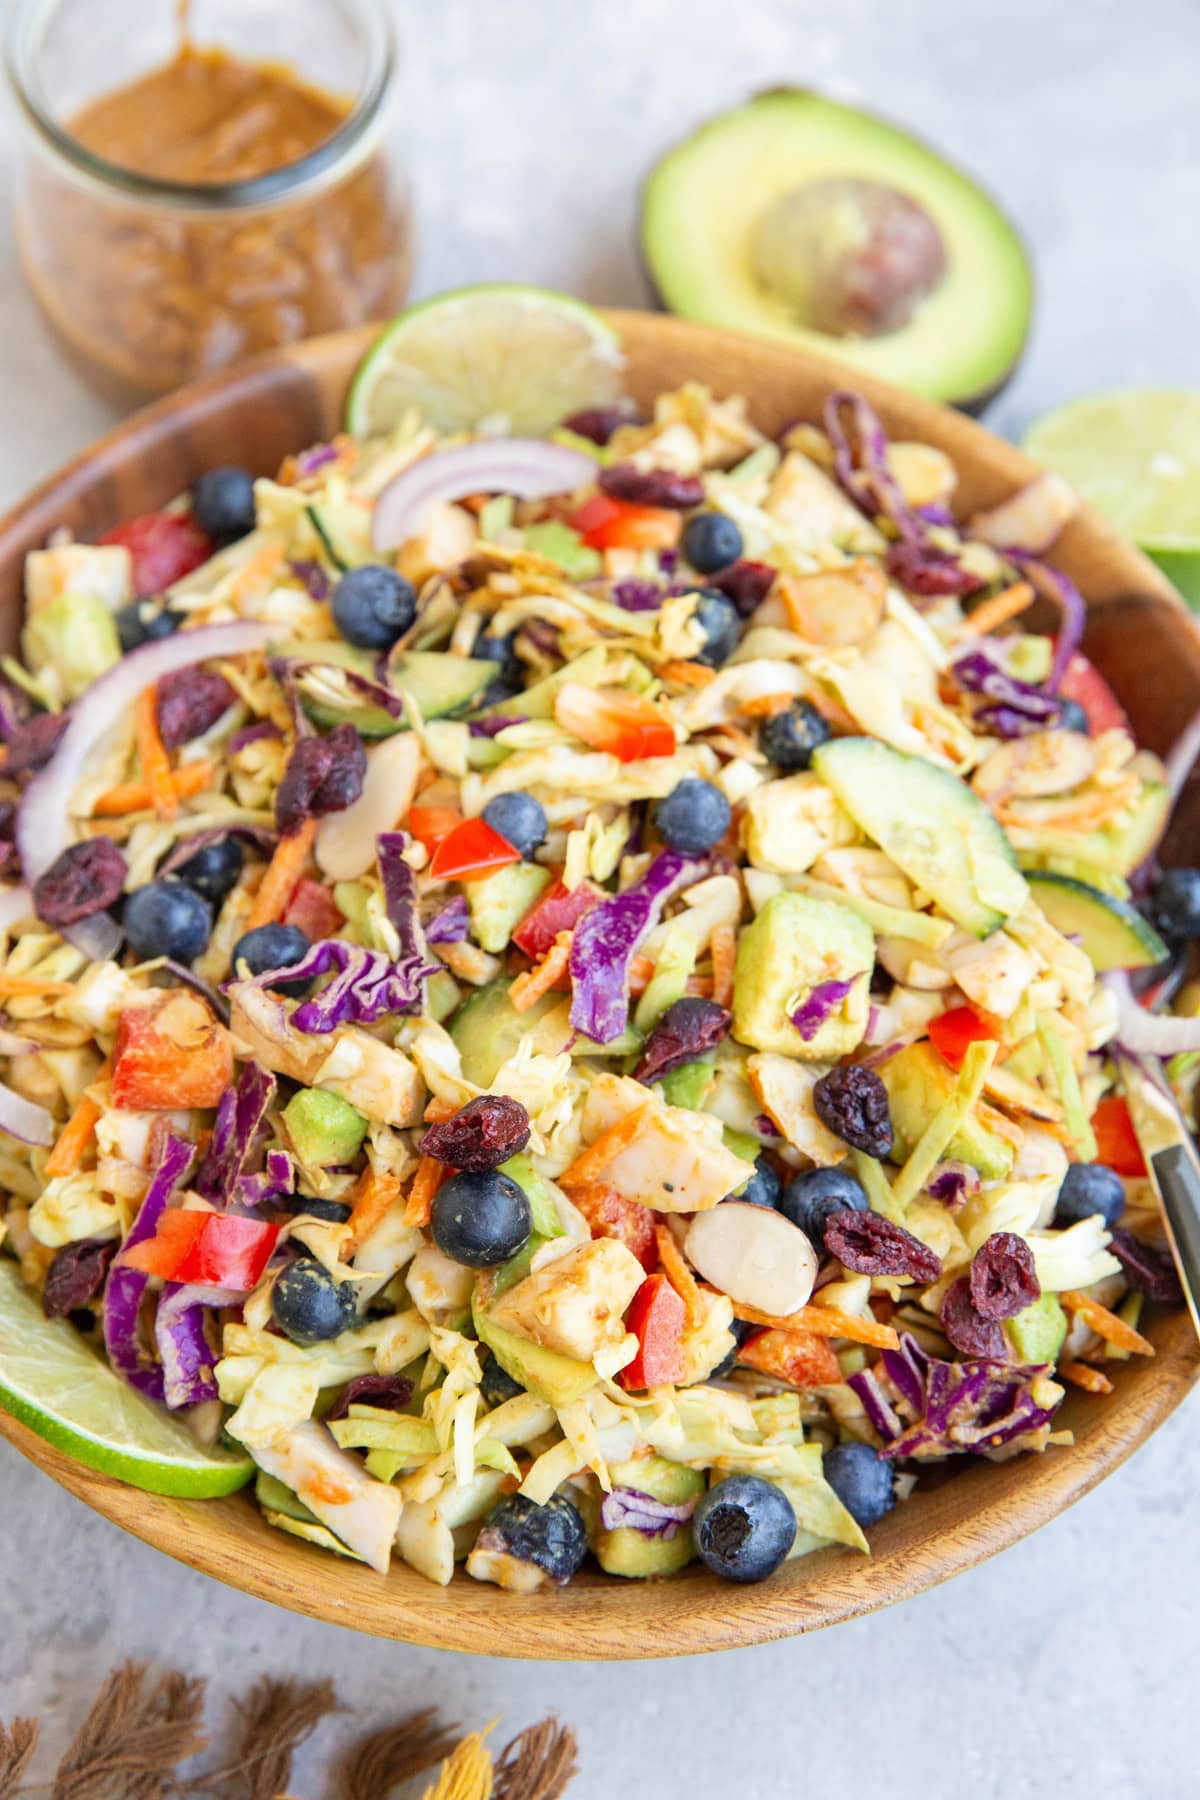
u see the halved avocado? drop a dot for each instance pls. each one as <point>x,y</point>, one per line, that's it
<point>808,221</point>
<point>1114,934</point>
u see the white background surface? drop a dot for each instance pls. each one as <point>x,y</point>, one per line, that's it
<point>1068,1666</point>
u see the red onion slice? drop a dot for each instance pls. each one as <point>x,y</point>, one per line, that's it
<point>1147,1033</point>
<point>22,1119</point>
<point>15,903</point>
<point>530,468</point>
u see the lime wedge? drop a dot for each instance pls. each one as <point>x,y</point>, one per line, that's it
<point>52,1382</point>
<point>1135,455</point>
<point>504,357</point>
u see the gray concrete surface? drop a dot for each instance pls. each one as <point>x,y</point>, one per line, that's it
<point>1067,1666</point>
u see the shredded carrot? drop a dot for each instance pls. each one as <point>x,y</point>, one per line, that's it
<point>687,674</point>
<point>438,1110</point>
<point>723,945</point>
<point>590,1164</point>
<point>823,1321</point>
<point>73,1139</point>
<point>426,1182</point>
<point>156,765</point>
<point>528,989</point>
<point>997,611</point>
<point>1081,813</point>
<point>14,987</point>
<point>641,973</point>
<point>1000,1123</point>
<point>257,573</point>
<point>680,1277</point>
<point>283,872</point>
<point>374,1198</point>
<point>134,796</point>
<point>765,706</point>
<point>1106,1324</point>
<point>1080,1375</point>
<point>699,984</point>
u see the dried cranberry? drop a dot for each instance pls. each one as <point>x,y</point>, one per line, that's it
<point>323,775</point>
<point>651,487</point>
<point>33,744</point>
<point>86,878</point>
<point>852,1101</point>
<point>1149,1270</point>
<point>76,1275</point>
<point>966,1327</point>
<point>747,584</point>
<point>927,571</point>
<point>481,1135</point>
<point>391,1393</point>
<point>872,1245</point>
<point>599,423</point>
<point>688,1029</point>
<point>190,701</point>
<point>1002,1276</point>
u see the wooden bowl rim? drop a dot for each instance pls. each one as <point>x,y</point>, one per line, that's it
<point>952,1525</point>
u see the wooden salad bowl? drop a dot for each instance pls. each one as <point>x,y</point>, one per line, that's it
<point>1148,647</point>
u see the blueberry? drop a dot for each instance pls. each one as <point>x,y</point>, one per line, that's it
<point>763,1187</point>
<point>373,606</point>
<point>718,618</point>
<point>214,869</point>
<point>144,621</point>
<point>1073,717</point>
<point>480,1219</point>
<point>1089,1188</point>
<point>497,1385</point>
<point>553,1536</point>
<point>743,1528</point>
<point>808,1200</point>
<point>309,1306</point>
<point>272,947</point>
<point>510,678</point>
<point>788,738</point>
<point>167,918</point>
<point>335,1211</point>
<point>694,816</point>
<point>711,542</point>
<point>1175,904</point>
<point>863,1481</point>
<point>519,818</point>
<point>223,503</point>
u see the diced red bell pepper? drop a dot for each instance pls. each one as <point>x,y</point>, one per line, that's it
<point>626,725</point>
<point>169,1056</point>
<point>559,909</point>
<point>952,1033</point>
<point>1116,1141</point>
<point>656,1317</point>
<point>802,1361</point>
<point>472,849</point>
<point>611,1215</point>
<point>164,548</point>
<point>1084,683</point>
<point>608,524</point>
<point>431,824</point>
<point>214,1249</point>
<point>313,909</point>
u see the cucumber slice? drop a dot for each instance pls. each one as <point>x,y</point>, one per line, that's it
<point>438,683</point>
<point>931,825</point>
<point>1113,933</point>
<point>344,531</point>
<point>488,1029</point>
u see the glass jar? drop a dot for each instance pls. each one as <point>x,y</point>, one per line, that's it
<point>180,208</point>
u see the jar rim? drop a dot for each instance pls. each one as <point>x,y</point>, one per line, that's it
<point>216,196</point>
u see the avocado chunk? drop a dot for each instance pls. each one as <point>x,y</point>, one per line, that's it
<point>931,825</point>
<point>918,1082</point>
<point>324,1128</point>
<point>545,1374</point>
<point>1038,1332</point>
<point>816,224</point>
<point>629,1552</point>
<point>689,1083</point>
<point>499,902</point>
<point>542,1211</point>
<point>785,959</point>
<point>1113,933</point>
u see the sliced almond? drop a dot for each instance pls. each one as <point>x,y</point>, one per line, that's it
<point>754,1255</point>
<point>835,608</point>
<point>345,841</point>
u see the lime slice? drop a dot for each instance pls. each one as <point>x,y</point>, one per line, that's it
<point>503,357</point>
<point>52,1382</point>
<point>1135,455</point>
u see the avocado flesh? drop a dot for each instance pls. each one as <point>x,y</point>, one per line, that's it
<point>918,1082</point>
<point>1038,1332</point>
<point>704,199</point>
<point>630,1553</point>
<point>545,1374</point>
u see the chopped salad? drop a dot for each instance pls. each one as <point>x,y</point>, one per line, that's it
<point>552,988</point>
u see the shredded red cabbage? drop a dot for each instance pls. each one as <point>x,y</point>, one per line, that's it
<point>1014,708</point>
<point>491,727</point>
<point>637,595</point>
<point>309,461</point>
<point>400,894</point>
<point>860,461</point>
<point>312,575</point>
<point>951,1183</point>
<point>628,1509</point>
<point>252,734</point>
<point>366,986</point>
<point>239,1120</point>
<point>276,1179</point>
<point>208,993</point>
<point>825,998</point>
<point>182,1343</point>
<point>125,1288</point>
<point>883,1416</point>
<point>259,837</point>
<point>605,941</point>
<point>452,924</point>
<point>1070,602</point>
<point>979,1407</point>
